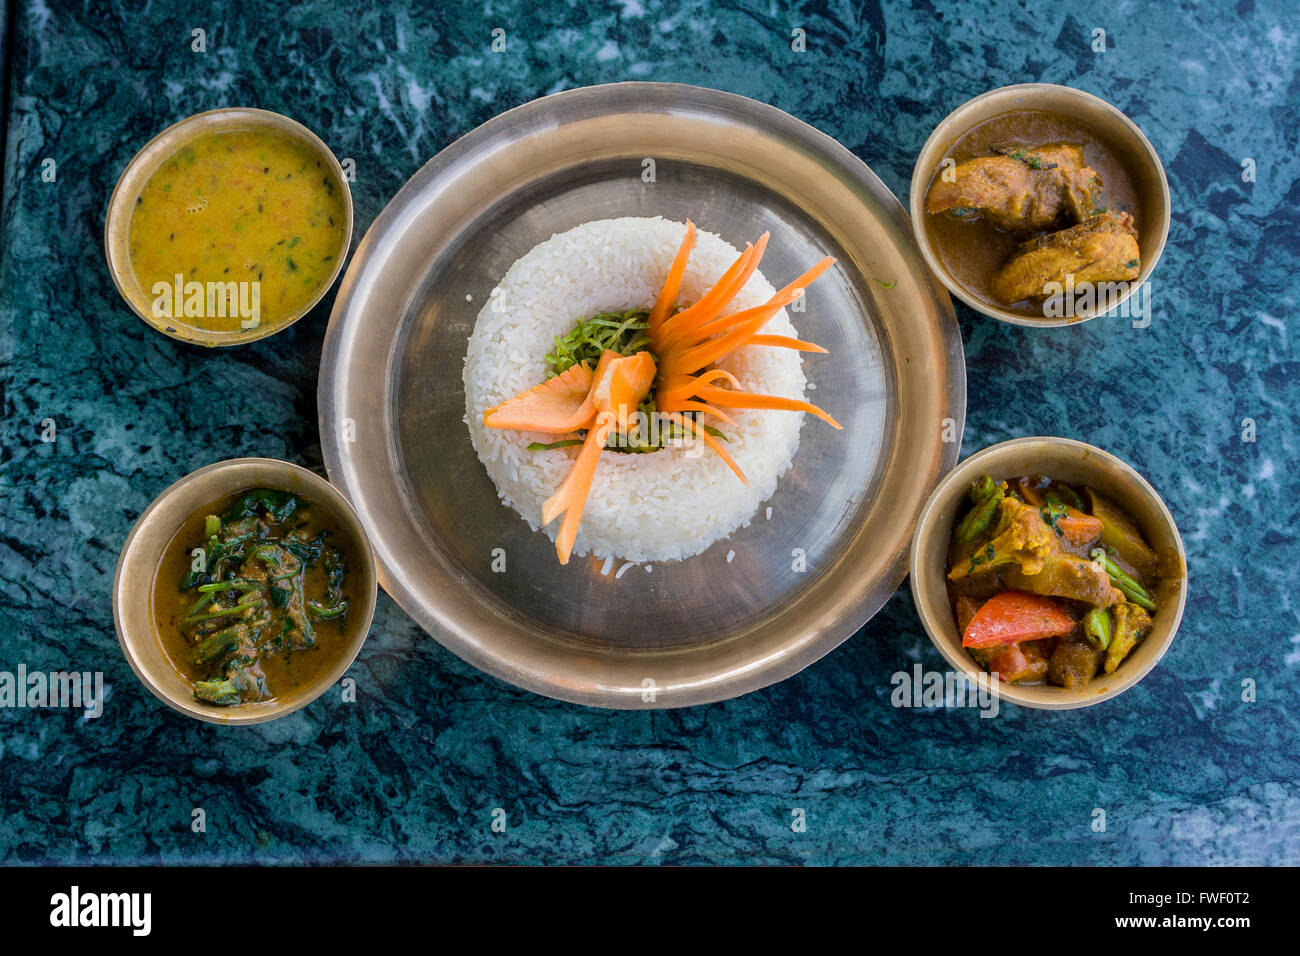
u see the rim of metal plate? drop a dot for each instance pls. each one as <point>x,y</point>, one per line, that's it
<point>920,336</point>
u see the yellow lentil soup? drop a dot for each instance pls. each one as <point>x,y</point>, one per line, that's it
<point>237,230</point>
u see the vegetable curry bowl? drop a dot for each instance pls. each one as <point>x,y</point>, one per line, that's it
<point>1052,565</point>
<point>244,591</point>
<point>228,226</point>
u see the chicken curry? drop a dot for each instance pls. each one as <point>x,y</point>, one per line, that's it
<point>1031,198</point>
<point>1051,583</point>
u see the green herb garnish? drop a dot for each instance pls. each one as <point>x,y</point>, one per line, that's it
<point>1053,512</point>
<point>623,332</point>
<point>547,446</point>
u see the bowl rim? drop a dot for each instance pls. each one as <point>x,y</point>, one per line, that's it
<point>117,219</point>
<point>238,715</point>
<point>920,182</point>
<point>962,662</point>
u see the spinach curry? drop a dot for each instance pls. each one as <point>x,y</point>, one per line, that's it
<point>251,598</point>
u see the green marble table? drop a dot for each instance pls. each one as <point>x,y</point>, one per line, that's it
<point>432,752</point>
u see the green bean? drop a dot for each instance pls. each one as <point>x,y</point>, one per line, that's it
<point>199,605</point>
<point>1096,628</point>
<point>1130,588</point>
<point>328,613</point>
<point>219,644</point>
<point>981,515</point>
<point>981,488</point>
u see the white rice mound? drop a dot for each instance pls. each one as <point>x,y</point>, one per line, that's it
<point>664,505</point>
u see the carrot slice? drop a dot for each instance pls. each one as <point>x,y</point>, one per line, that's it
<point>699,431</point>
<point>571,497</point>
<point>807,278</point>
<point>786,342</point>
<point>623,386</point>
<point>723,291</point>
<point>673,284</point>
<point>703,409</point>
<point>730,399</point>
<point>779,301</point>
<point>557,406</point>
<point>681,387</point>
<point>696,358</point>
<point>1013,616</point>
<point>686,337</point>
<point>1078,528</point>
<point>712,301</point>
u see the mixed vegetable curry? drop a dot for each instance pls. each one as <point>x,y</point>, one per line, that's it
<point>1049,582</point>
<point>251,598</point>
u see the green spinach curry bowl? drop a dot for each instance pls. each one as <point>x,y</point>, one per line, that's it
<point>244,591</point>
<point>1053,565</point>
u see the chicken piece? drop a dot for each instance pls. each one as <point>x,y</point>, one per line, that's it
<point>1103,249</point>
<point>1029,189</point>
<point>1048,156</point>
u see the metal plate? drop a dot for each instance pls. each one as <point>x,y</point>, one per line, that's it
<point>704,629</point>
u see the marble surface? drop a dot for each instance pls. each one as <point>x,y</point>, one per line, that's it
<point>1186,771</point>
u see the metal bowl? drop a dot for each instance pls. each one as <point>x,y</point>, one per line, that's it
<point>1119,132</point>
<point>741,615</point>
<point>144,164</point>
<point>1076,463</point>
<point>133,583</point>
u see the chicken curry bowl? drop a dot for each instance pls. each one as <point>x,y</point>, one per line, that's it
<point>1030,205</point>
<point>1052,583</point>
